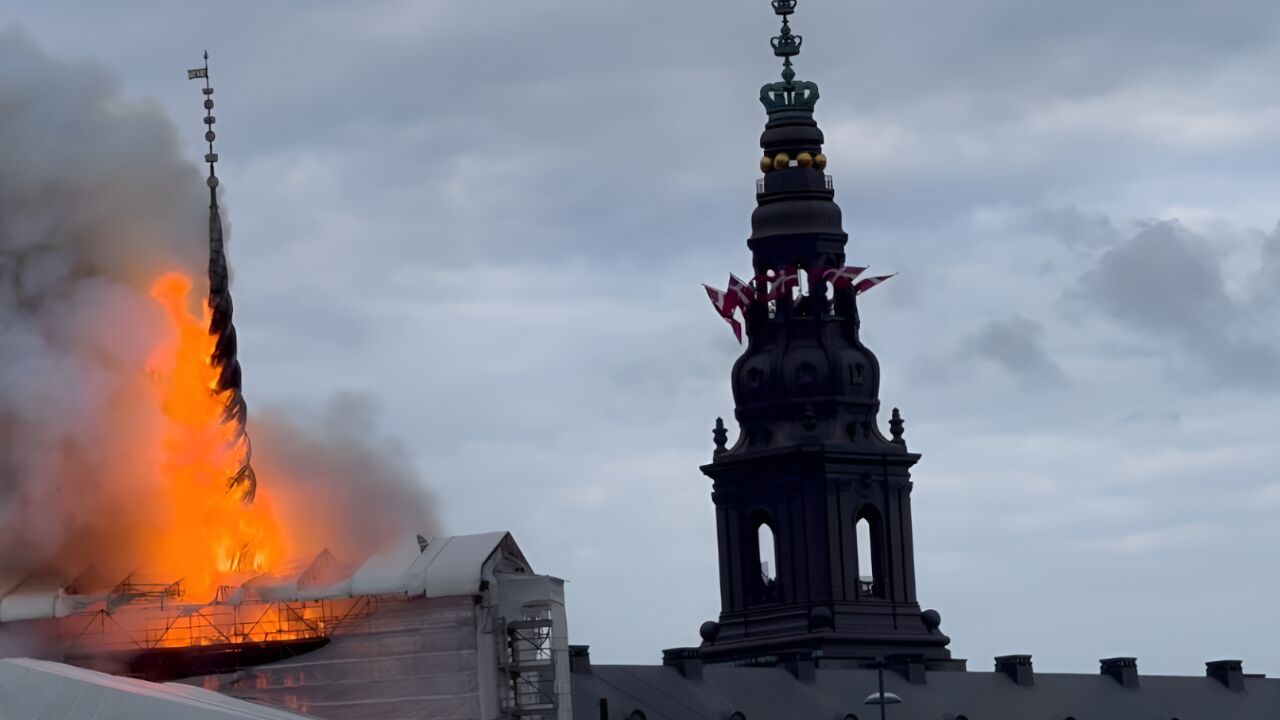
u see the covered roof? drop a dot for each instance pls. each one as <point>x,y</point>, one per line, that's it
<point>663,693</point>
<point>41,690</point>
<point>446,566</point>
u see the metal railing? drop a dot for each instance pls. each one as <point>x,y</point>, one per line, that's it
<point>826,181</point>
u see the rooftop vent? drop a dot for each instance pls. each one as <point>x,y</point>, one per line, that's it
<point>802,664</point>
<point>1228,672</point>
<point>908,665</point>
<point>1123,670</point>
<point>1017,667</point>
<point>580,659</point>
<point>687,661</point>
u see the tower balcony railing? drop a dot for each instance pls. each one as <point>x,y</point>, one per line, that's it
<point>826,182</point>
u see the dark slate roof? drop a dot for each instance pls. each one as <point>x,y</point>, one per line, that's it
<point>662,693</point>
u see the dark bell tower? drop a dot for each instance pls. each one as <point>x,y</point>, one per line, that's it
<point>810,472</point>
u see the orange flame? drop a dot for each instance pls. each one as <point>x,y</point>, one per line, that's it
<point>209,537</point>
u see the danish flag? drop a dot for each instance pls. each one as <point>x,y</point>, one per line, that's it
<point>842,277</point>
<point>725,303</point>
<point>742,293</point>
<point>865,285</point>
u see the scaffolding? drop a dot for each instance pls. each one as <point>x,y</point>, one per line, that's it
<point>527,661</point>
<point>136,616</point>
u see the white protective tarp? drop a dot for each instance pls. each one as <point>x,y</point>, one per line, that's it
<point>449,566</point>
<point>42,690</point>
<point>456,565</point>
<point>409,660</point>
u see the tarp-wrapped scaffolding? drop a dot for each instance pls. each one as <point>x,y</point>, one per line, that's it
<point>456,628</point>
<point>410,660</point>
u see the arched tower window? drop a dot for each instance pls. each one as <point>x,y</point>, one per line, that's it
<point>869,539</point>
<point>765,570</point>
<point>768,554</point>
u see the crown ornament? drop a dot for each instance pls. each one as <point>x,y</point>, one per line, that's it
<point>784,7</point>
<point>789,97</point>
<point>786,44</point>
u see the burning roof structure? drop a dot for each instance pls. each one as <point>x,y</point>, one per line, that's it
<point>451,627</point>
<point>197,584</point>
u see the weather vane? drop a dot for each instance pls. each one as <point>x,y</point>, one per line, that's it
<point>209,135</point>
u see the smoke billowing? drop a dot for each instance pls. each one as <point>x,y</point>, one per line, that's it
<point>96,201</point>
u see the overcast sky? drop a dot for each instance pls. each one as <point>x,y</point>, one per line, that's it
<point>494,217</point>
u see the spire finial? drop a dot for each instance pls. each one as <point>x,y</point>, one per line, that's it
<point>721,436</point>
<point>786,45</point>
<point>896,427</point>
<point>243,481</point>
<point>210,157</point>
<point>790,99</point>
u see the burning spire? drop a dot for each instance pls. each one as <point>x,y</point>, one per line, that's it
<point>235,413</point>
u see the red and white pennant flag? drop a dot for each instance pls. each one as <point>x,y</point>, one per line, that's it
<point>842,277</point>
<point>725,304</point>
<point>740,295</point>
<point>865,285</point>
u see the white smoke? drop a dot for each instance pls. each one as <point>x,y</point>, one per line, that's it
<point>96,200</point>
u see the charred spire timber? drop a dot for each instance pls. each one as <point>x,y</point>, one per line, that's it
<point>224,357</point>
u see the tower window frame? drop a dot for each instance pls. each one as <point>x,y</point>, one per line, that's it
<point>766,578</point>
<point>870,567</point>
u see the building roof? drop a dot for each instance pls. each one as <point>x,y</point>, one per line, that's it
<point>447,566</point>
<point>41,690</point>
<point>663,693</point>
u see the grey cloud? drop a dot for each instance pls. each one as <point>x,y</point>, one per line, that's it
<point>1165,279</point>
<point>1154,418</point>
<point>1266,284</point>
<point>1167,282</point>
<point>1076,228</point>
<point>1014,344</point>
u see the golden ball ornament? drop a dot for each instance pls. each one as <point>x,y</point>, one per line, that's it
<point>781,161</point>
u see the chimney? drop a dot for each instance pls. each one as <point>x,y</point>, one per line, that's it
<point>686,660</point>
<point>801,664</point>
<point>1227,672</point>
<point>580,659</point>
<point>1123,670</point>
<point>1018,668</point>
<point>909,665</point>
